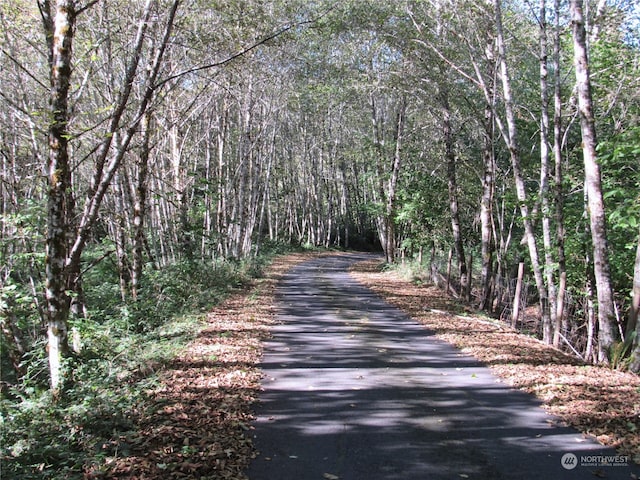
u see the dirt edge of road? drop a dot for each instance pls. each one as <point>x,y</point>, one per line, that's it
<point>598,401</point>
<point>199,425</point>
<point>199,419</point>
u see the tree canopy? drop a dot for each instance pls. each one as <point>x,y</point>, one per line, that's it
<point>153,133</point>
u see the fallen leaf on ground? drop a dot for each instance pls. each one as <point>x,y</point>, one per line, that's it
<point>600,402</point>
<point>197,423</point>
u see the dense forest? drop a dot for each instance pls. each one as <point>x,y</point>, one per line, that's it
<point>497,143</point>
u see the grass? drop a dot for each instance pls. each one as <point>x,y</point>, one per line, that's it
<point>45,437</point>
<point>125,348</point>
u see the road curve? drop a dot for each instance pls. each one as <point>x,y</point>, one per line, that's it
<point>356,390</point>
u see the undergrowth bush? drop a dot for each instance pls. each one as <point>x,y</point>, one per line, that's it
<point>123,345</point>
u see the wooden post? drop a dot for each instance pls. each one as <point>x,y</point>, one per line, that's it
<point>449,270</point>
<point>469,277</point>
<point>515,311</point>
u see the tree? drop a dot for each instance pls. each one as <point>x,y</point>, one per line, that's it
<point>66,239</point>
<point>383,119</point>
<point>545,175</point>
<point>487,238</point>
<point>510,135</point>
<point>59,22</point>
<point>633,326</point>
<point>451,160</point>
<point>558,174</point>
<point>388,189</point>
<point>608,332</point>
<point>388,117</point>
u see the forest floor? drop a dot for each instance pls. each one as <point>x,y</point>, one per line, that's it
<point>199,420</point>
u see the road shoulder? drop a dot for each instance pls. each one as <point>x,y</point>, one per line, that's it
<point>598,401</point>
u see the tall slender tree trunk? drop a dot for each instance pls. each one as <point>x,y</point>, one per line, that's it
<point>608,332</point>
<point>387,190</point>
<point>393,183</point>
<point>450,160</point>
<point>265,191</point>
<point>378,140</point>
<point>549,268</point>
<point>486,203</point>
<point>516,306</point>
<point>450,157</point>
<point>119,228</point>
<point>590,352</point>
<point>140,206</point>
<point>59,28</point>
<point>558,176</point>
<point>223,179</point>
<point>67,239</point>
<point>344,204</point>
<point>488,181</point>
<point>511,139</point>
<point>179,168</point>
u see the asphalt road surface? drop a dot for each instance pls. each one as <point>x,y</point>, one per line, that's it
<point>356,390</point>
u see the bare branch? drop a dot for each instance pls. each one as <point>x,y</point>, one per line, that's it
<point>86,7</point>
<point>24,69</point>
<point>247,49</point>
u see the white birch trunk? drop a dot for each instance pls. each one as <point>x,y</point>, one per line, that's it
<point>607,325</point>
<point>512,143</point>
<point>549,269</point>
<point>59,29</point>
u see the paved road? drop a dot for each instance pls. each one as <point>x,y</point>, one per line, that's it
<point>356,390</point>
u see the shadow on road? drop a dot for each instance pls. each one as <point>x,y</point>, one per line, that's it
<point>354,389</point>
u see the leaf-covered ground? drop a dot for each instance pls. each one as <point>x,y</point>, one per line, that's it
<point>198,425</point>
<point>598,401</point>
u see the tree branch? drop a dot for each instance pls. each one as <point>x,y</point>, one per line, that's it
<point>24,69</point>
<point>86,7</point>
<point>247,49</point>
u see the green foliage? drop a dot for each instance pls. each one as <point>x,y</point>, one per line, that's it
<point>424,209</point>
<point>620,159</point>
<point>123,344</point>
<point>616,67</point>
<point>44,437</point>
<point>21,264</point>
<point>619,353</point>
